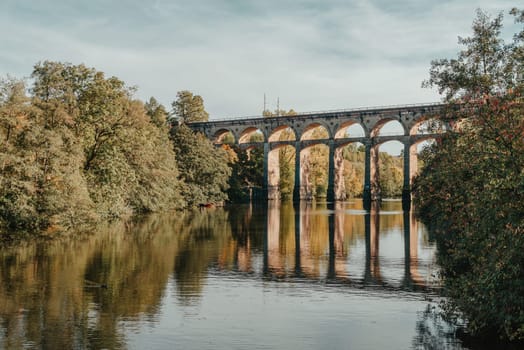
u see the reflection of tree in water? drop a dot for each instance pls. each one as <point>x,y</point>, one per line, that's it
<point>206,236</point>
<point>247,224</point>
<point>59,284</point>
<point>433,333</point>
<point>43,300</point>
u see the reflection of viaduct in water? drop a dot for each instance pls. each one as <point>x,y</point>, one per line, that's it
<point>309,265</point>
<point>335,126</point>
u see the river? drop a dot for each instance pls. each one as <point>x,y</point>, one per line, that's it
<point>241,277</point>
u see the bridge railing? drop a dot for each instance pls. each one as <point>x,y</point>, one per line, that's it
<point>335,111</point>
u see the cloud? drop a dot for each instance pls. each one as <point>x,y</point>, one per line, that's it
<point>314,55</point>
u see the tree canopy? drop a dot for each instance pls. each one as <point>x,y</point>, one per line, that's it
<point>204,169</point>
<point>189,108</point>
<point>79,149</point>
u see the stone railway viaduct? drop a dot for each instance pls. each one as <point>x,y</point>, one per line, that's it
<point>414,119</point>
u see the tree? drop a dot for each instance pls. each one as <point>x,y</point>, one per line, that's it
<point>203,167</point>
<point>471,189</point>
<point>156,112</point>
<point>79,150</point>
<point>41,185</point>
<point>189,108</point>
<point>390,175</point>
<point>246,174</point>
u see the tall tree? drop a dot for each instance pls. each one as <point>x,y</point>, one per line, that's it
<point>41,182</point>
<point>156,112</point>
<point>80,149</point>
<point>189,108</point>
<point>472,186</point>
<point>203,167</point>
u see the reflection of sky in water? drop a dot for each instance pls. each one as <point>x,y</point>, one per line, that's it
<point>248,314</point>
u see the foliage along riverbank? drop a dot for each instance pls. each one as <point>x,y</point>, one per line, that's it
<point>472,189</point>
<point>79,149</point>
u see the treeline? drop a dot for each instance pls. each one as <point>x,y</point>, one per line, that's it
<point>471,191</point>
<point>76,148</point>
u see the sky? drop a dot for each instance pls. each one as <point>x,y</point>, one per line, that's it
<point>311,55</point>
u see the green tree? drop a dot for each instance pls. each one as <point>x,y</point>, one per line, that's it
<point>203,167</point>
<point>80,149</point>
<point>246,174</point>
<point>155,185</point>
<point>278,113</point>
<point>156,112</point>
<point>189,108</point>
<point>41,184</point>
<point>354,170</point>
<point>471,189</point>
<point>390,175</point>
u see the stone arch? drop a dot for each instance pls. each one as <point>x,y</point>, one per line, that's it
<point>413,154</point>
<point>427,126</point>
<point>345,144</point>
<point>392,185</point>
<point>248,132</point>
<point>314,155</point>
<point>309,129</point>
<point>344,127</point>
<point>349,170</point>
<point>376,129</point>
<point>248,147</point>
<point>278,146</point>
<point>278,132</point>
<point>220,134</point>
<point>379,143</point>
<point>417,139</point>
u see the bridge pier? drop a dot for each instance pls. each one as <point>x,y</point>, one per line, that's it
<point>265,181</point>
<point>273,187</point>
<point>406,190</point>
<point>366,194</point>
<point>331,172</point>
<point>296,189</point>
<point>410,170</point>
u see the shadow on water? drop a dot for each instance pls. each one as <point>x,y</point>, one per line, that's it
<point>87,286</point>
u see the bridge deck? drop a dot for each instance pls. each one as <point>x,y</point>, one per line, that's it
<point>359,111</point>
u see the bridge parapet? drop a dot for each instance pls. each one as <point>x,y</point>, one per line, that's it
<point>370,119</point>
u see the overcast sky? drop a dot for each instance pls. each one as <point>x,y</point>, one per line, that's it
<point>311,54</point>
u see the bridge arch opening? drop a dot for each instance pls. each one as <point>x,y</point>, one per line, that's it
<point>428,126</point>
<point>417,148</point>
<point>282,133</point>
<point>315,131</point>
<point>224,136</point>
<point>387,169</point>
<point>350,129</point>
<point>388,127</point>
<point>251,134</point>
<point>282,168</point>
<point>314,163</point>
<point>349,170</point>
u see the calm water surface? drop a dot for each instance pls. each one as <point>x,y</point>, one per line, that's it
<point>243,277</point>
